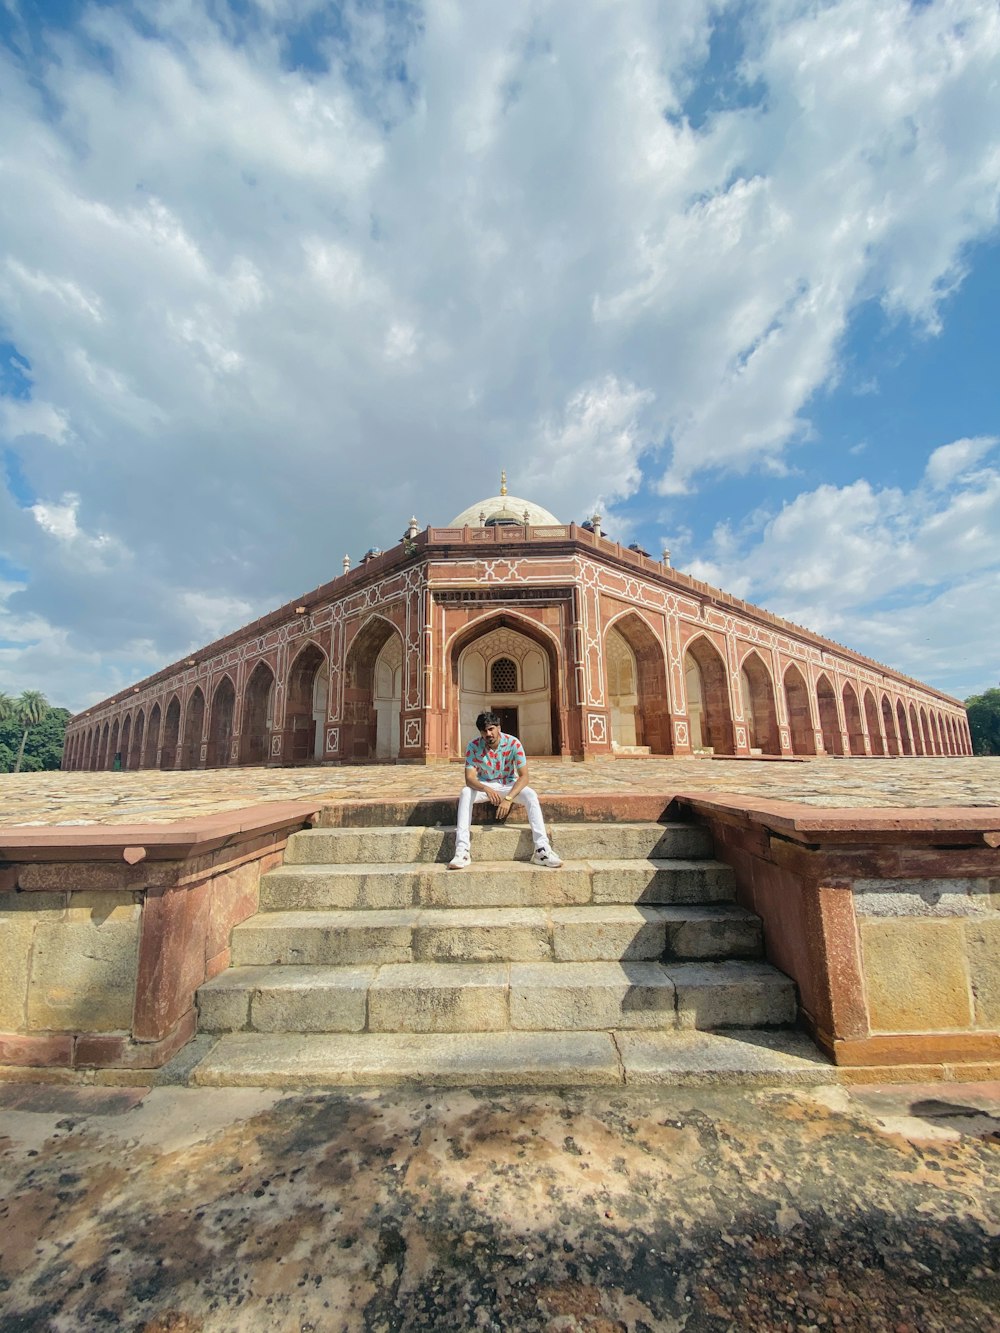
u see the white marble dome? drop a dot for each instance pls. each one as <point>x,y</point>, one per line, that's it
<point>505,507</point>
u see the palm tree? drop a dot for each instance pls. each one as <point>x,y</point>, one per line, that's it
<point>29,708</point>
<point>6,707</point>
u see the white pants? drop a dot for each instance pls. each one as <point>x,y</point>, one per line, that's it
<point>526,797</point>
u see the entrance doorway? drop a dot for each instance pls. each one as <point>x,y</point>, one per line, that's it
<point>508,720</point>
<point>508,673</point>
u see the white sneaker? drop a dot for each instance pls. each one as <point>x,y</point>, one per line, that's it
<point>545,856</point>
<point>460,860</point>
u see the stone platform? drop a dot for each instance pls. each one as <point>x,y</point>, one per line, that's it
<point>149,796</point>
<point>877,882</point>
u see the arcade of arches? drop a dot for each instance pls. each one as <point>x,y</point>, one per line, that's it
<point>585,649</point>
<point>505,670</point>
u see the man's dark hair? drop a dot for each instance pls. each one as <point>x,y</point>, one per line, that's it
<point>485,720</point>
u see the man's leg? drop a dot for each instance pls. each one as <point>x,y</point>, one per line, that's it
<point>466,800</point>
<point>528,798</point>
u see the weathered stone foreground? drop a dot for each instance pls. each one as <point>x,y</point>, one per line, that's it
<point>157,797</point>
<point>202,1211</point>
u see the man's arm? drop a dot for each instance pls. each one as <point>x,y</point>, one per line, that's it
<point>472,780</point>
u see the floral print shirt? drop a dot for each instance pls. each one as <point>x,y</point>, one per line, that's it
<point>500,765</point>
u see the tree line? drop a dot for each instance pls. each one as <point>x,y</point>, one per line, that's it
<point>32,731</point>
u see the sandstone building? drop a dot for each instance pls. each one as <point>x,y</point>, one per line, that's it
<point>586,650</point>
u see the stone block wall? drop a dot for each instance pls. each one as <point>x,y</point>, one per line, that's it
<point>888,921</point>
<point>106,934</point>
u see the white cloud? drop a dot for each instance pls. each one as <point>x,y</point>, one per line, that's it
<point>272,311</point>
<point>951,462</point>
<point>905,576</point>
<point>20,417</point>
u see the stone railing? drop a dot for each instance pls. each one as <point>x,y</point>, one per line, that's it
<point>887,919</point>
<point>106,932</point>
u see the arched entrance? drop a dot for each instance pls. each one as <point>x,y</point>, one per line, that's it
<point>171,734</point>
<point>904,735</point>
<point>852,720</point>
<point>135,758</point>
<point>918,740</point>
<point>388,697</point>
<point>709,711</point>
<point>257,715</point>
<point>361,736</point>
<point>152,737</point>
<point>506,669</point>
<point>758,706</point>
<point>113,749</point>
<point>637,686</point>
<point>125,742</point>
<point>891,739</point>
<point>221,724</point>
<point>874,729</point>
<point>925,732</point>
<point>799,716</point>
<point>829,722</point>
<point>305,706</point>
<point>194,725</point>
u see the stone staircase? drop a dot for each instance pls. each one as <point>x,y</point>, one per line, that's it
<point>369,963</point>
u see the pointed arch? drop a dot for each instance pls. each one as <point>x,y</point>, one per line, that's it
<point>306,704</point>
<point>905,744</point>
<point>889,724</point>
<point>258,715</point>
<point>112,754</point>
<point>125,740</point>
<point>874,725</point>
<point>925,732</point>
<point>138,733</point>
<point>194,727</point>
<point>220,723</point>
<point>918,740</point>
<point>637,684</point>
<point>759,706</point>
<point>936,733</point>
<point>852,720</point>
<point>709,710</point>
<point>829,718</point>
<point>361,731</point>
<point>152,746</point>
<point>533,712</point>
<point>800,724</point>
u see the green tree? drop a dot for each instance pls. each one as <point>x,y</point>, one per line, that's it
<point>30,707</point>
<point>43,748</point>
<point>984,721</point>
<point>31,733</point>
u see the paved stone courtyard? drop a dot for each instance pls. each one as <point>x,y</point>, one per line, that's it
<point>145,795</point>
<point>201,1211</point>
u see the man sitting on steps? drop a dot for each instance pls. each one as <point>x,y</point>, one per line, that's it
<point>496,770</point>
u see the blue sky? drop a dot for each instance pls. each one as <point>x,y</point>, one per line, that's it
<point>276,275</point>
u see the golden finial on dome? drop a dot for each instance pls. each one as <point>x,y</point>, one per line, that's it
<point>503,481</point>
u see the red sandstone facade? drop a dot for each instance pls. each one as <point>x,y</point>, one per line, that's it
<point>593,650</point>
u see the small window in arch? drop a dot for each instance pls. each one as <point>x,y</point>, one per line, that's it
<point>503,676</point>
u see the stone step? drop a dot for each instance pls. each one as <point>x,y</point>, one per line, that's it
<point>488,997</point>
<point>496,842</point>
<point>512,1059</point>
<point>612,932</point>
<point>494,884</point>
